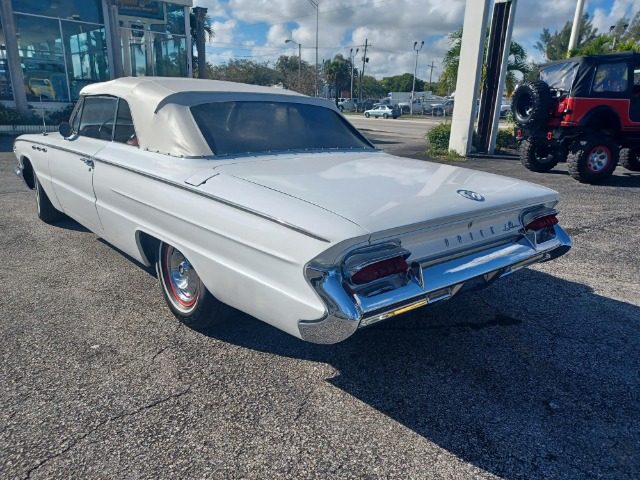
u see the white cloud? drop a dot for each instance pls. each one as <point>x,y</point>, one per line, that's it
<point>389,26</point>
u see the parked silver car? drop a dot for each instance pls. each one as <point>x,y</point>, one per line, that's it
<point>383,111</point>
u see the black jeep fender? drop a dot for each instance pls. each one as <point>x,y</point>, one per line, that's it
<point>602,118</point>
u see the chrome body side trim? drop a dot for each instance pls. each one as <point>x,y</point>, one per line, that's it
<point>426,283</point>
<point>214,198</point>
<point>195,191</point>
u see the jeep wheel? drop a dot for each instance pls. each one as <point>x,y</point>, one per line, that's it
<point>540,157</point>
<point>531,104</point>
<point>592,159</point>
<point>629,159</point>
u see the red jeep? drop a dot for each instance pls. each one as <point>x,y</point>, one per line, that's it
<point>585,110</point>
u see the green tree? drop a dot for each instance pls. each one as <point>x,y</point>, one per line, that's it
<point>517,62</point>
<point>302,80</point>
<point>371,88</point>
<point>555,45</point>
<point>244,71</point>
<point>402,83</point>
<point>337,74</point>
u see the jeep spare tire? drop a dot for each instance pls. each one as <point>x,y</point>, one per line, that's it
<point>531,104</point>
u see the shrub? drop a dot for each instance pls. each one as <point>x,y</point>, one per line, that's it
<point>9,116</point>
<point>505,140</point>
<point>438,138</point>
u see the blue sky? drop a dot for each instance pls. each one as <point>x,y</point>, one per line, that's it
<point>257,29</point>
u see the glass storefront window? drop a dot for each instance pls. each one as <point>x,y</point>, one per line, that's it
<point>59,57</point>
<point>42,58</point>
<point>83,10</point>
<point>153,39</point>
<point>85,54</point>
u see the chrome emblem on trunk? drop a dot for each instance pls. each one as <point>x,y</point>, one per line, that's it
<point>471,195</point>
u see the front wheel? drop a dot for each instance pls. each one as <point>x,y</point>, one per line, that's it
<point>540,157</point>
<point>629,159</point>
<point>592,159</point>
<point>185,294</point>
<point>367,115</point>
<point>46,211</point>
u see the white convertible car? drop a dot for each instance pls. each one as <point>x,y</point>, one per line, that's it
<point>271,202</point>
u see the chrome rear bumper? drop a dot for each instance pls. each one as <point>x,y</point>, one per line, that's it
<point>429,283</point>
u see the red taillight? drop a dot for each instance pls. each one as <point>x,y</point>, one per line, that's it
<point>520,133</point>
<point>381,269</point>
<point>542,222</point>
<point>549,136</point>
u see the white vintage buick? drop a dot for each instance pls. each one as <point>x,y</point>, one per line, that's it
<point>271,202</point>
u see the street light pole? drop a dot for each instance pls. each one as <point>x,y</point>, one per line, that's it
<point>299,63</point>
<point>352,56</point>
<point>315,5</point>
<point>415,72</point>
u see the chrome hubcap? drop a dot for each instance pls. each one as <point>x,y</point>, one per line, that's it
<point>183,280</point>
<point>598,159</point>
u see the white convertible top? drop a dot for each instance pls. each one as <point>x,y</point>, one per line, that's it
<point>160,107</point>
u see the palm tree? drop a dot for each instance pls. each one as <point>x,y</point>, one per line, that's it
<point>517,61</point>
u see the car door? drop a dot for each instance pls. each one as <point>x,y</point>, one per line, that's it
<point>71,160</point>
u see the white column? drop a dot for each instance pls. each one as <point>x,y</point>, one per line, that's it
<point>469,70</point>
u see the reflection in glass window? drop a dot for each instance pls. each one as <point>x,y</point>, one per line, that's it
<point>6,92</point>
<point>41,54</point>
<point>85,54</point>
<point>154,39</point>
<point>84,10</point>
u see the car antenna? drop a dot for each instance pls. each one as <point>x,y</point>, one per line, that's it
<point>44,123</point>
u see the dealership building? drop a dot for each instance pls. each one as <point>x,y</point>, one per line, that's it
<point>51,49</point>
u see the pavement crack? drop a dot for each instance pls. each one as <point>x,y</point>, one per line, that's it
<point>303,406</point>
<point>73,443</point>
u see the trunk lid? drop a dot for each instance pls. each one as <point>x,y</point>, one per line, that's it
<point>381,192</point>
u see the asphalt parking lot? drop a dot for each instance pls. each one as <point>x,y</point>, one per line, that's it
<point>535,377</point>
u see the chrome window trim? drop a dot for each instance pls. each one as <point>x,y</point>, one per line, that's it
<point>215,198</point>
<point>251,211</point>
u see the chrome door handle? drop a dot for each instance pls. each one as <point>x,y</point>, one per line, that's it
<point>88,162</point>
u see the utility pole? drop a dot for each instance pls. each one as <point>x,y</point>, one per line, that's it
<point>364,61</point>
<point>415,72</point>
<point>431,75</point>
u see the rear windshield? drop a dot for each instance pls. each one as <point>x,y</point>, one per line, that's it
<point>560,76</point>
<point>244,127</point>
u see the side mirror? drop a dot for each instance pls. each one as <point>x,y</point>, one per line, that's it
<point>65,129</point>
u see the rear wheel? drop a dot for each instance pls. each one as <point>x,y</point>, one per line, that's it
<point>185,294</point>
<point>386,115</point>
<point>629,159</point>
<point>593,159</point>
<point>538,156</point>
<point>46,211</point>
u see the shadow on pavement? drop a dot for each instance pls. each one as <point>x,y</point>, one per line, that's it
<point>547,389</point>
